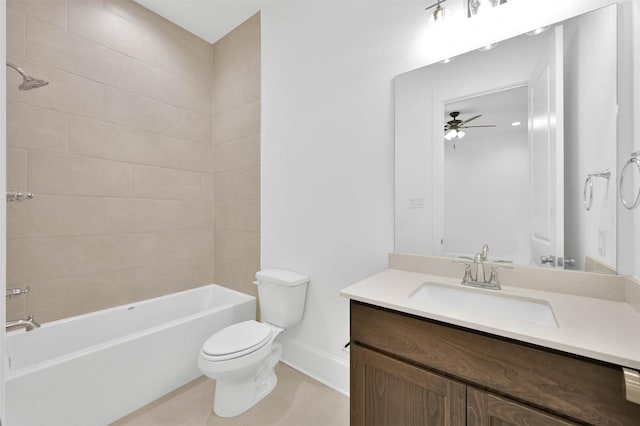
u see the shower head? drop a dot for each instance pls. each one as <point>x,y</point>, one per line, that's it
<point>28,82</point>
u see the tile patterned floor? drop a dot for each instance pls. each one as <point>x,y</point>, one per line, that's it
<point>297,400</point>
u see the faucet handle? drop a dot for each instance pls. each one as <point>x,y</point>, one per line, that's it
<point>467,274</point>
<point>493,278</point>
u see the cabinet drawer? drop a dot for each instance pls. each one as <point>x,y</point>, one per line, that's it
<point>485,409</point>
<point>581,389</point>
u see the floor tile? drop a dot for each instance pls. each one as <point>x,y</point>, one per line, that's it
<point>297,400</point>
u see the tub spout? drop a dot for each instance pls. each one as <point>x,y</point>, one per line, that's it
<point>28,324</point>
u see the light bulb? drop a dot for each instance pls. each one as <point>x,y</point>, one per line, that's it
<point>484,6</point>
<point>488,47</point>
<point>538,31</point>
<point>439,14</point>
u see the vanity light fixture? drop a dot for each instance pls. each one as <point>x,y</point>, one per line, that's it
<point>439,13</point>
<point>475,7</point>
<point>516,123</point>
<point>488,47</point>
<point>538,30</point>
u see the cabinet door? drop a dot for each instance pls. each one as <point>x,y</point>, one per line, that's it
<point>485,409</point>
<point>389,392</point>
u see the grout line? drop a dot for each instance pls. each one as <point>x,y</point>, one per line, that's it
<point>204,116</point>
<point>119,197</point>
<point>151,35</point>
<point>116,234</point>
<point>161,262</point>
<point>86,157</point>
<point>71,114</point>
<point>238,140</point>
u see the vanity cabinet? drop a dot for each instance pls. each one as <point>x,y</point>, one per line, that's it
<point>486,409</point>
<point>392,392</point>
<point>408,370</point>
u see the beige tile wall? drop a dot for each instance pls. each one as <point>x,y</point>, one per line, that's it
<point>118,152</point>
<point>236,146</point>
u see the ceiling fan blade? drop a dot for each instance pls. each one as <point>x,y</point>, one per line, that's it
<point>472,118</point>
<point>487,125</point>
<point>438,3</point>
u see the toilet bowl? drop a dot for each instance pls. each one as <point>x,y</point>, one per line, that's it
<point>241,357</point>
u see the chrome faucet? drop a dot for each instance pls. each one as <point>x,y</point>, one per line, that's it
<point>484,253</point>
<point>29,324</point>
<point>476,277</point>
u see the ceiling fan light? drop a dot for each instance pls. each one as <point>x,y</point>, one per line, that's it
<point>450,134</point>
<point>460,134</point>
<point>439,14</point>
<point>538,30</point>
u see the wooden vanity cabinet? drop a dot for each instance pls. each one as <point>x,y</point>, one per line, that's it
<point>386,391</point>
<point>408,370</point>
<point>486,409</point>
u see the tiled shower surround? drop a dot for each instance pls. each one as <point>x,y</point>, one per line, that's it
<point>121,151</point>
<point>236,156</point>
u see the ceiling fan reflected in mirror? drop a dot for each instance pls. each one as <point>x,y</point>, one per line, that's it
<point>453,128</point>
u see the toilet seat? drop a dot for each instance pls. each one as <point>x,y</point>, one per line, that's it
<point>236,340</point>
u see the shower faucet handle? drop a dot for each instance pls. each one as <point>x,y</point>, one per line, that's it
<point>18,196</point>
<point>13,292</point>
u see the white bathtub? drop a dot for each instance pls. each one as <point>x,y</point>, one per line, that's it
<point>96,368</point>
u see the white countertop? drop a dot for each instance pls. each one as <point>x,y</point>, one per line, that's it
<point>599,329</point>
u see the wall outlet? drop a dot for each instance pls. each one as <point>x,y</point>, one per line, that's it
<point>602,242</point>
<point>416,203</point>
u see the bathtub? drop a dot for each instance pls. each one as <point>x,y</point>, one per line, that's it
<point>96,368</point>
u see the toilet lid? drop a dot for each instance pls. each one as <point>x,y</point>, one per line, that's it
<point>237,339</point>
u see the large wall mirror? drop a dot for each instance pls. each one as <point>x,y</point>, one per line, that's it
<point>513,147</point>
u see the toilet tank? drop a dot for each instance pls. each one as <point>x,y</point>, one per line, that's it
<point>281,294</point>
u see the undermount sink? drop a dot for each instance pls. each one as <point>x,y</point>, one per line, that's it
<point>490,302</point>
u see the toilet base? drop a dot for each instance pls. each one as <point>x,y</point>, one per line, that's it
<point>234,397</point>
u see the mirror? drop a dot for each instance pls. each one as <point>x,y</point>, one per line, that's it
<point>536,193</point>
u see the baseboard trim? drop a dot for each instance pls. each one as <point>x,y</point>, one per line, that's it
<point>319,365</point>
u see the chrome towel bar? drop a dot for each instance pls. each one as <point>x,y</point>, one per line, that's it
<point>588,187</point>
<point>635,159</point>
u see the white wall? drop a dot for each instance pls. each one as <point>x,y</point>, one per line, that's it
<point>327,142</point>
<point>327,157</point>
<point>635,14</point>
<point>487,193</point>
<point>628,221</point>
<point>590,97</point>
<point>634,9</point>
<point>3,188</point>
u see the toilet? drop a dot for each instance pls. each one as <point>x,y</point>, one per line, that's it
<point>241,357</point>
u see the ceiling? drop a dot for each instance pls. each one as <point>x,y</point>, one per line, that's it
<point>213,19</point>
<point>501,108</point>
<point>208,19</point>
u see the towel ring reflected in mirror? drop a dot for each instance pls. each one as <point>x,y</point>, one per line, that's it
<point>635,159</point>
<point>587,193</point>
